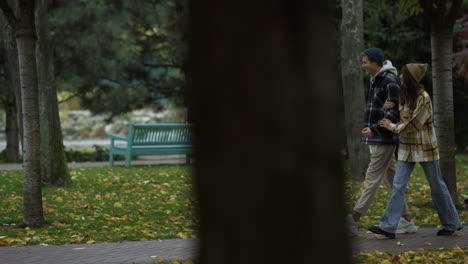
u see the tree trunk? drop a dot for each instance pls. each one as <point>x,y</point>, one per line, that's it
<point>11,127</point>
<point>353,86</point>
<point>26,41</point>
<point>54,169</point>
<point>268,172</point>
<point>442,65</point>
<point>11,59</point>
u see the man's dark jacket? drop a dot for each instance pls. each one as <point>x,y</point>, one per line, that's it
<point>385,84</point>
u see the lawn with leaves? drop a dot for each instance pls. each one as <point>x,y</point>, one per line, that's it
<point>429,256</point>
<point>418,196</point>
<point>104,205</point>
<point>157,202</point>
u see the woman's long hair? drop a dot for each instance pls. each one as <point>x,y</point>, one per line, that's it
<point>411,89</point>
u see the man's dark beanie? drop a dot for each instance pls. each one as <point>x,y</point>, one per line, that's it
<point>376,55</point>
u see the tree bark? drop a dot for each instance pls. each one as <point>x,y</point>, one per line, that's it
<point>25,34</point>
<point>11,59</point>
<point>442,70</point>
<point>54,169</point>
<point>11,127</point>
<point>265,99</point>
<point>352,37</point>
<point>442,19</point>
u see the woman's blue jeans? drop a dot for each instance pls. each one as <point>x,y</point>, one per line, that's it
<point>441,198</point>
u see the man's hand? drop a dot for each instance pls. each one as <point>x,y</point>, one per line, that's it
<point>367,132</point>
<point>388,104</point>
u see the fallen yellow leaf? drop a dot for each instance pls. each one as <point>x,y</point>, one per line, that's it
<point>182,235</point>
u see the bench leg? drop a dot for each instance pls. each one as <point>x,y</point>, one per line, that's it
<point>187,159</point>
<point>128,160</point>
<point>111,159</point>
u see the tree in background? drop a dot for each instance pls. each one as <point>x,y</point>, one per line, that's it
<point>25,33</point>
<point>119,55</point>
<point>54,169</point>
<point>394,30</point>
<point>441,15</point>
<point>460,83</point>
<point>352,34</point>
<point>7,95</point>
<point>13,106</point>
<point>265,99</point>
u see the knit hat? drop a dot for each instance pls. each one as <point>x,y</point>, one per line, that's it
<point>417,70</point>
<point>376,55</point>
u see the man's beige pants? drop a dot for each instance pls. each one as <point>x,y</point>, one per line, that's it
<point>381,166</point>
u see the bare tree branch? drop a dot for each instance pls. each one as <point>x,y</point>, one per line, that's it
<point>9,15</point>
<point>69,97</point>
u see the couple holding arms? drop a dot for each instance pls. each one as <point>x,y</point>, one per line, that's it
<point>399,113</point>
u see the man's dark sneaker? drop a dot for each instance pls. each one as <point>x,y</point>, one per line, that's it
<point>443,232</point>
<point>377,230</point>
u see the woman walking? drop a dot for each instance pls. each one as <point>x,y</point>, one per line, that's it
<point>418,143</point>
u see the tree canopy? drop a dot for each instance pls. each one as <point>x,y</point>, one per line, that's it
<point>119,55</point>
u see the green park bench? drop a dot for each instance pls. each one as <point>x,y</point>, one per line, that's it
<point>163,139</point>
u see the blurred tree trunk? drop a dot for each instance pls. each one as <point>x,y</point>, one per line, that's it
<point>54,169</point>
<point>8,101</point>
<point>25,33</point>
<point>14,134</point>
<point>442,19</point>
<point>352,37</point>
<point>11,127</point>
<point>265,97</point>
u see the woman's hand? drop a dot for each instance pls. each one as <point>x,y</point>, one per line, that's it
<point>388,104</point>
<point>385,123</point>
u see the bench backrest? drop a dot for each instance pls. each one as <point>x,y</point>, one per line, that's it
<point>163,134</point>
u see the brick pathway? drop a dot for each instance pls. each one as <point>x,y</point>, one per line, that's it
<point>118,253</point>
<point>424,238</point>
<point>186,249</point>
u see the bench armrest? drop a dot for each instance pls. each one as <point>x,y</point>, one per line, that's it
<point>116,137</point>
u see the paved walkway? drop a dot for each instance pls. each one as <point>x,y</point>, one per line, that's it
<point>186,249</point>
<point>424,238</point>
<point>118,253</point>
<point>19,166</point>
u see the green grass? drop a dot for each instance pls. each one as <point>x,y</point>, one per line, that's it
<point>418,196</point>
<point>105,204</point>
<point>427,256</point>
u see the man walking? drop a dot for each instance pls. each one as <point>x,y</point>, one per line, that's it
<point>384,86</point>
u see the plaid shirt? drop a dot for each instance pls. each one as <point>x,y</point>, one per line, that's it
<point>418,140</point>
<point>384,85</point>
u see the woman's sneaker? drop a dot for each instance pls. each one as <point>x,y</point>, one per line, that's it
<point>406,227</point>
<point>379,231</point>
